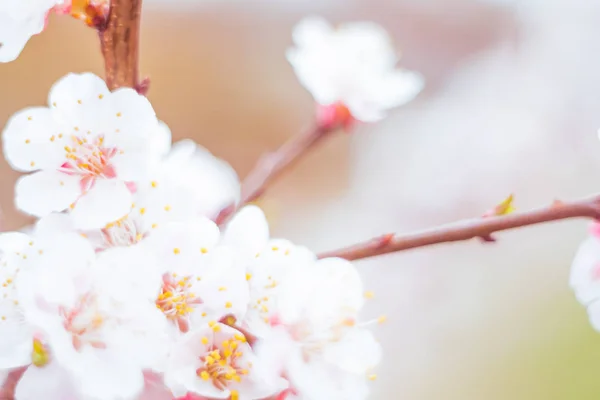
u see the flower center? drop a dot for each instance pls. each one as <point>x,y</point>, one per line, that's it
<point>122,233</point>
<point>176,300</point>
<point>221,365</point>
<point>89,159</point>
<point>84,323</point>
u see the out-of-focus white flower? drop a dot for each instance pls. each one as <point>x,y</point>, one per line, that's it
<point>217,362</point>
<point>351,68</point>
<point>84,149</point>
<point>16,334</point>
<point>202,280</point>
<point>97,318</point>
<point>585,276</point>
<point>20,20</point>
<point>211,182</point>
<point>304,312</point>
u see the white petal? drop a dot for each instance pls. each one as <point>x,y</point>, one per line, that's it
<point>76,98</point>
<point>14,34</point>
<point>585,271</point>
<point>132,165</point>
<point>212,182</point>
<point>161,139</point>
<point>16,343</point>
<point>13,241</point>
<point>248,230</point>
<point>44,192</point>
<point>50,382</point>
<point>107,201</point>
<point>31,140</point>
<point>53,224</point>
<point>356,352</point>
<point>311,30</point>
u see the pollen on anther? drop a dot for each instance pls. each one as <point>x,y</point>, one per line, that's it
<point>204,340</point>
<point>167,208</point>
<point>369,294</point>
<point>76,129</point>
<point>32,163</point>
<point>60,135</point>
<point>228,305</point>
<point>62,183</point>
<point>142,211</point>
<point>274,248</point>
<point>248,276</point>
<point>222,289</point>
<point>372,377</point>
<point>52,138</point>
<point>154,226</point>
<point>154,184</point>
<point>100,96</point>
<point>382,319</point>
<point>176,250</point>
<point>119,114</point>
<point>203,250</point>
<point>54,104</point>
<point>3,318</point>
<point>29,118</point>
<point>27,141</point>
<point>79,101</point>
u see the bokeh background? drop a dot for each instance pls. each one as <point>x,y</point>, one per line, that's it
<point>512,105</point>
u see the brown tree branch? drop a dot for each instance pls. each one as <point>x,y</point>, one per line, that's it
<point>119,41</point>
<point>469,229</point>
<point>270,166</point>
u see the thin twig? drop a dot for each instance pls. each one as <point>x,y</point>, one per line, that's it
<point>119,41</point>
<point>469,229</point>
<point>271,165</point>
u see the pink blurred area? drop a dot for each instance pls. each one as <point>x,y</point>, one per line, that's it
<point>511,105</point>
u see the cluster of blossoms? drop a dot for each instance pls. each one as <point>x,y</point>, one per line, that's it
<point>125,288</point>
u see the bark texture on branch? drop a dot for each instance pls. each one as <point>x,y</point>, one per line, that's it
<point>119,41</point>
<point>482,228</point>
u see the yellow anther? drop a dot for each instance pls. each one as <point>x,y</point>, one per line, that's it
<point>204,340</point>
<point>27,141</point>
<point>100,96</point>
<point>203,314</point>
<point>372,377</point>
<point>142,211</point>
<point>167,208</point>
<point>235,395</point>
<point>204,375</point>
<point>382,319</point>
<point>60,135</point>
<point>228,305</point>
<point>3,318</point>
<point>52,138</point>
<point>32,163</point>
<point>138,237</point>
<point>274,248</point>
<point>240,337</point>
<point>287,253</point>
<point>119,114</point>
<point>212,323</point>
<point>248,276</point>
<point>154,226</point>
<point>176,250</point>
<point>79,101</point>
<point>154,184</point>
<point>369,295</point>
<point>216,328</point>
<point>222,289</point>
<point>203,250</point>
<point>29,118</point>
<point>39,354</point>
<point>210,360</point>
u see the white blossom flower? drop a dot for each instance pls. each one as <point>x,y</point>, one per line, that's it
<point>19,21</point>
<point>217,362</point>
<point>585,276</point>
<point>202,280</point>
<point>97,318</point>
<point>268,261</point>
<point>84,150</point>
<point>16,334</point>
<point>319,345</point>
<point>352,66</point>
<point>211,183</point>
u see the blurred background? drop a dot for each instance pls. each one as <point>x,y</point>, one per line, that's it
<point>512,105</point>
